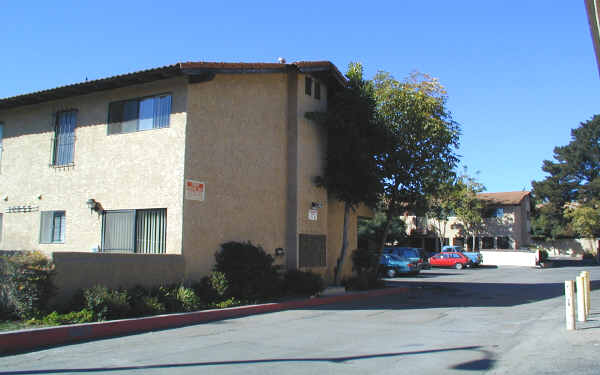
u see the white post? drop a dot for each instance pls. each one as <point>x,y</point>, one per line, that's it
<point>569,304</point>
<point>588,294</point>
<point>580,299</point>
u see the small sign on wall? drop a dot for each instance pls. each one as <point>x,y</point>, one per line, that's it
<point>313,215</point>
<point>194,190</point>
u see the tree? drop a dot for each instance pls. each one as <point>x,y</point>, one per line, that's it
<point>372,229</point>
<point>353,137</point>
<point>441,205</point>
<point>574,176</point>
<point>421,140</point>
<point>468,207</point>
<point>585,220</point>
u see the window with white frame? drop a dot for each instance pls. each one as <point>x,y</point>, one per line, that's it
<point>135,231</point>
<point>138,114</point>
<point>64,138</point>
<point>52,227</point>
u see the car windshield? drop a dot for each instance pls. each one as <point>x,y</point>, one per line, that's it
<point>411,253</point>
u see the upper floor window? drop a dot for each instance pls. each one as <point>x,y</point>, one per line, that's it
<point>64,138</point>
<point>52,227</point>
<point>317,90</point>
<point>133,115</point>
<point>308,86</point>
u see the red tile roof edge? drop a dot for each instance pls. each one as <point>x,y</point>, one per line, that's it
<point>166,71</point>
<point>508,197</point>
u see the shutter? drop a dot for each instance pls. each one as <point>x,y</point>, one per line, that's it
<point>151,229</point>
<point>118,231</point>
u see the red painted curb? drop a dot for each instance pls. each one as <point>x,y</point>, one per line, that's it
<point>22,340</point>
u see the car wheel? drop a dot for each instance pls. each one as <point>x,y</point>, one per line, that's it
<point>390,272</point>
<point>458,266</point>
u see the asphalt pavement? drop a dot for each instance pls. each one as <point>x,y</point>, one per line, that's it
<point>506,320</point>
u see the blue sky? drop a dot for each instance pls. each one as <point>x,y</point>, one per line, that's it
<point>520,74</point>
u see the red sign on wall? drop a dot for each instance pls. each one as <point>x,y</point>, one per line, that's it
<point>194,190</point>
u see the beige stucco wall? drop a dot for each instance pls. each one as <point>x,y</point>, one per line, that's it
<point>75,271</point>
<point>236,144</point>
<point>122,171</point>
<point>312,148</point>
<point>569,246</point>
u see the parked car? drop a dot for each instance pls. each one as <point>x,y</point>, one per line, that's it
<point>450,259</point>
<point>393,265</point>
<point>410,253</point>
<point>474,256</point>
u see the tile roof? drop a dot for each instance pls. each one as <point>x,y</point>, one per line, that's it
<point>326,68</point>
<point>506,198</point>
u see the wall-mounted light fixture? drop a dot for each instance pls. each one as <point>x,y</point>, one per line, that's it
<point>279,251</point>
<point>94,206</point>
<point>315,205</point>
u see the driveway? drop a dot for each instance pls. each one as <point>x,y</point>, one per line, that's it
<point>489,320</point>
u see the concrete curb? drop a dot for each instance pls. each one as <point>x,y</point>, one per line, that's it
<point>18,341</point>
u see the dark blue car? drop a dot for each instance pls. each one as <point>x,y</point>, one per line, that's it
<point>392,265</point>
<point>410,253</point>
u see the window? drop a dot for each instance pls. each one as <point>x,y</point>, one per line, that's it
<point>308,86</point>
<point>502,243</point>
<point>493,212</point>
<point>317,90</point>
<point>135,231</point>
<point>312,250</point>
<point>52,227</point>
<point>139,114</point>
<point>64,138</point>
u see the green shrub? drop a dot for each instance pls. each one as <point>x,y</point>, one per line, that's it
<point>363,281</point>
<point>364,260</point>
<point>107,304</point>
<point>249,271</point>
<point>303,283</point>
<point>205,290</point>
<point>75,317</point>
<point>25,284</point>
<point>231,302</point>
<point>143,302</point>
<point>188,300</point>
<point>218,281</point>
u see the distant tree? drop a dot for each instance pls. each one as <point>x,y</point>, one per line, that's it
<point>371,229</point>
<point>422,139</point>
<point>441,204</point>
<point>574,176</point>
<point>468,207</point>
<point>353,139</point>
<point>585,220</point>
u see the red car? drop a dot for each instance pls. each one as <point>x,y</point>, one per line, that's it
<point>450,259</point>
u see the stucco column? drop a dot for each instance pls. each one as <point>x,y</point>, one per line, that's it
<point>291,230</point>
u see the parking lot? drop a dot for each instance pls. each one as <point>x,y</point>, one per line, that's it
<point>505,320</point>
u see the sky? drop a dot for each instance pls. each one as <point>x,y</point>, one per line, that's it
<point>520,74</point>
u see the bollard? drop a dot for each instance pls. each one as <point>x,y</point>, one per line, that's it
<point>588,293</point>
<point>585,302</point>
<point>569,304</point>
<point>580,299</point>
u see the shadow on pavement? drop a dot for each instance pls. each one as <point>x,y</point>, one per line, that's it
<point>266,360</point>
<point>456,294</point>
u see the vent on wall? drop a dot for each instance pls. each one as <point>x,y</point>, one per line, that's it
<point>312,250</point>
